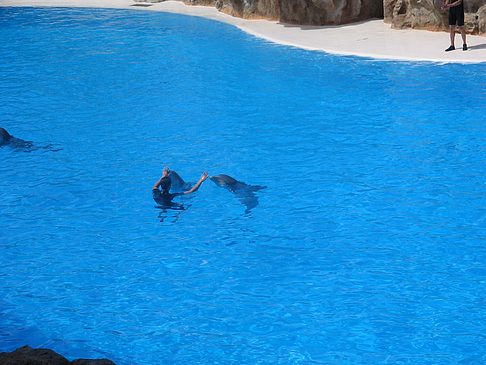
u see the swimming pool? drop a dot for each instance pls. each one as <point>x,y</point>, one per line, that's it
<point>366,247</point>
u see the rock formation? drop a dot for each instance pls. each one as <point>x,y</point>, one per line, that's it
<point>401,14</point>
<point>28,356</point>
<point>426,14</point>
<point>482,19</point>
<point>309,12</point>
<point>419,14</point>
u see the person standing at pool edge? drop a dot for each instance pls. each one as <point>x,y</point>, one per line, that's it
<point>456,17</point>
<point>163,196</point>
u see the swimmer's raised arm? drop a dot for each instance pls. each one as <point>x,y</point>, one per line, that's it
<point>157,184</point>
<point>165,173</point>
<point>204,176</point>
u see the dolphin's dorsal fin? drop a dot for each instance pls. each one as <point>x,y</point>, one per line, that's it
<point>177,181</point>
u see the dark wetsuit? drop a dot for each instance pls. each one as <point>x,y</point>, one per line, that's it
<point>165,199</point>
<point>456,14</point>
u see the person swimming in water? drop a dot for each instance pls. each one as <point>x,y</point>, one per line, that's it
<point>164,197</point>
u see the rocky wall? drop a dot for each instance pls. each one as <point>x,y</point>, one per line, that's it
<point>401,14</point>
<point>426,14</point>
<point>305,12</point>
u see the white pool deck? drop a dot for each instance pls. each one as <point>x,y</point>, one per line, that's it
<point>373,38</point>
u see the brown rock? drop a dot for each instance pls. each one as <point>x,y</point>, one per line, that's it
<point>325,12</point>
<point>310,12</point>
<point>422,14</point>
<point>249,9</point>
<point>426,14</point>
<point>472,6</point>
<point>482,19</point>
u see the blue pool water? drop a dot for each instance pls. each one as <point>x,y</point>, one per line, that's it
<point>366,247</point>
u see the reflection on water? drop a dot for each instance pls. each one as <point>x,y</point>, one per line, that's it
<point>28,146</point>
<point>171,211</point>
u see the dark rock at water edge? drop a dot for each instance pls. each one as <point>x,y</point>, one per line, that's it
<point>28,356</point>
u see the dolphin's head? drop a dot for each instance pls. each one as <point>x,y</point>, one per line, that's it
<point>223,180</point>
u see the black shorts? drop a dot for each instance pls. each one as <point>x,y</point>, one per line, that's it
<point>456,15</point>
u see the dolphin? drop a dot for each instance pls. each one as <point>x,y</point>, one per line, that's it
<point>244,192</point>
<point>7,139</point>
<point>177,182</point>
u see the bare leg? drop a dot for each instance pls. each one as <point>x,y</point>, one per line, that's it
<point>463,34</point>
<point>452,32</point>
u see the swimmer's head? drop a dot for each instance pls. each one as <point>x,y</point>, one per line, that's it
<point>165,184</point>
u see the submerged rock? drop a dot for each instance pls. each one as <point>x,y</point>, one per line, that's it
<point>28,356</point>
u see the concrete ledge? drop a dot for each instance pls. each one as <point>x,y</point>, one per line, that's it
<point>372,38</point>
